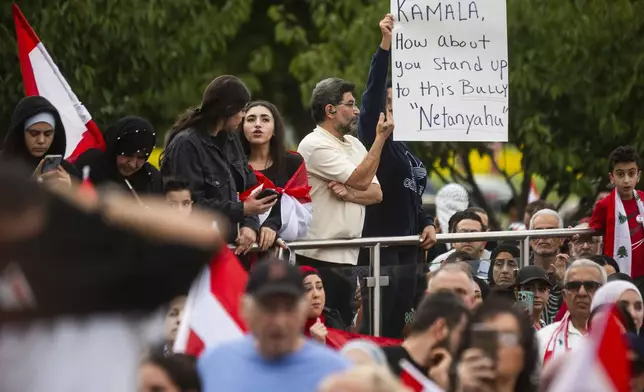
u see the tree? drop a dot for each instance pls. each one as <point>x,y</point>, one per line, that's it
<point>152,58</point>
<point>575,75</point>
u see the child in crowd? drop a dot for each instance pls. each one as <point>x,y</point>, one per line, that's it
<point>177,194</point>
<point>620,215</point>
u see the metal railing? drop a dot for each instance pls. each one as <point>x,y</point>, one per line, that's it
<point>376,243</point>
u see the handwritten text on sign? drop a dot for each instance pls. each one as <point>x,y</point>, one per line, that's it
<point>450,70</point>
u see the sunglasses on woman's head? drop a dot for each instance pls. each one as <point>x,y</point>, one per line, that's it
<point>589,285</point>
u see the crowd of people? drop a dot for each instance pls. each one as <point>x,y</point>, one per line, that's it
<point>467,316</point>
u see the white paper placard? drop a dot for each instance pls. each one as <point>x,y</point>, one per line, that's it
<point>450,70</point>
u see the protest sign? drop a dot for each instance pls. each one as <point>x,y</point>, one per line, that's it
<point>450,70</point>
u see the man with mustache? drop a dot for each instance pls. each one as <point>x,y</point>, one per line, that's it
<point>342,176</point>
<point>581,281</point>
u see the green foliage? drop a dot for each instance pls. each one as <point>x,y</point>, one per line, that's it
<point>151,58</point>
<point>576,68</point>
<point>577,82</point>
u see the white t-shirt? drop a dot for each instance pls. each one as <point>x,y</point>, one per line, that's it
<point>545,334</point>
<point>98,353</point>
<point>331,159</point>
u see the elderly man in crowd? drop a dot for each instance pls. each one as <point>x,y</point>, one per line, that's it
<point>580,283</point>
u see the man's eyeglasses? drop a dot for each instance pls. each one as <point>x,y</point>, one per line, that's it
<point>586,240</point>
<point>589,286</point>
<point>351,105</point>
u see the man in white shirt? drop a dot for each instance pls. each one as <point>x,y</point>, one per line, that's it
<point>342,175</point>
<point>581,281</point>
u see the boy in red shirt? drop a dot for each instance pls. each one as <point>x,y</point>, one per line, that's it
<point>620,215</point>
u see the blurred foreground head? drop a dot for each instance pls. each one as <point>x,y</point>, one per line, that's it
<point>22,204</point>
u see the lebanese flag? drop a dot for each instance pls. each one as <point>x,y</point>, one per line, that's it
<point>86,188</point>
<point>534,192</point>
<point>413,379</point>
<point>296,206</point>
<point>41,76</point>
<point>211,315</point>
<point>337,338</point>
<point>601,363</point>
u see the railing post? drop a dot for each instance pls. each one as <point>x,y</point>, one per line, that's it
<point>376,290</point>
<point>525,252</point>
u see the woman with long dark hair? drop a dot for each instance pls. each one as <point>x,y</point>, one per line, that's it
<point>516,356</point>
<point>203,147</point>
<point>277,169</point>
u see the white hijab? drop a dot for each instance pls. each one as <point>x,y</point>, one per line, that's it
<point>610,293</point>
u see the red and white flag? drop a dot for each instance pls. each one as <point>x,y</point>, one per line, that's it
<point>211,315</point>
<point>412,378</point>
<point>295,202</point>
<point>534,192</point>
<point>601,363</point>
<point>41,76</point>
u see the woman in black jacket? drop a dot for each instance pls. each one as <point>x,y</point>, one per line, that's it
<point>203,147</point>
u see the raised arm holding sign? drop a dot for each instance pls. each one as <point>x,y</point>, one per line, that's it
<point>450,70</point>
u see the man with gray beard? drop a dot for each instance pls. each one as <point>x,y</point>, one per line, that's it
<point>342,175</point>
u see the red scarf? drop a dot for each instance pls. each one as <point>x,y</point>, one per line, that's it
<point>336,338</point>
<point>297,186</point>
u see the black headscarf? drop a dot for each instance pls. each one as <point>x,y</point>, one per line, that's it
<point>507,248</point>
<point>14,142</point>
<point>130,135</point>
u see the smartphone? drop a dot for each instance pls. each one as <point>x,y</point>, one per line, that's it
<point>267,192</point>
<point>525,299</point>
<point>485,339</point>
<point>51,163</point>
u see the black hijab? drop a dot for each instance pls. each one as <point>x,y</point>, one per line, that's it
<point>501,248</point>
<point>130,135</point>
<point>14,142</point>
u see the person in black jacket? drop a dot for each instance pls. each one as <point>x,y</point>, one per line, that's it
<point>403,178</point>
<point>36,131</point>
<point>204,148</point>
<point>129,143</point>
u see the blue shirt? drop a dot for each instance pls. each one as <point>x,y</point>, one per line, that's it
<point>237,367</point>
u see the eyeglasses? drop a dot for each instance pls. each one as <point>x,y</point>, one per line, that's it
<point>351,105</point>
<point>586,240</point>
<point>508,339</point>
<point>589,286</point>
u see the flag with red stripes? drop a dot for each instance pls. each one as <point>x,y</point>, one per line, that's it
<point>601,363</point>
<point>413,379</point>
<point>211,315</point>
<point>41,76</point>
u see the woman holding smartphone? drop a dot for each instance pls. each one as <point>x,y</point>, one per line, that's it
<point>498,351</point>
<point>36,132</point>
<point>279,172</point>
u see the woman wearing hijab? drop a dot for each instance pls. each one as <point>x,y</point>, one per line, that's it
<point>622,292</point>
<point>325,325</point>
<point>36,131</point>
<point>204,148</point>
<point>129,143</point>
